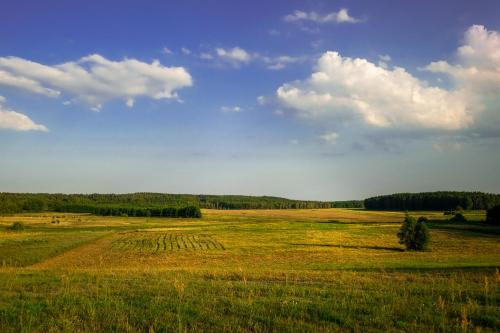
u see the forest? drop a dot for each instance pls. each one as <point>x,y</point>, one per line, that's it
<point>444,200</point>
<point>122,203</point>
<point>172,205</point>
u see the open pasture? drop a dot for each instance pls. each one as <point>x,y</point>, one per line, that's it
<point>250,270</point>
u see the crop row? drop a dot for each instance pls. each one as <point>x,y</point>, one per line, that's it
<point>157,242</point>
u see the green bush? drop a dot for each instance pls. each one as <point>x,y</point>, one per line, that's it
<point>493,215</point>
<point>414,234</point>
<point>421,237</point>
<point>459,217</point>
<point>422,219</point>
<point>17,226</point>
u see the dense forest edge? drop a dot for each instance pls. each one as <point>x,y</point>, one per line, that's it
<point>443,200</point>
<point>188,205</point>
<point>152,204</point>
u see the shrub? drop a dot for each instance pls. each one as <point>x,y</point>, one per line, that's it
<point>17,226</point>
<point>414,234</point>
<point>422,219</point>
<point>459,217</point>
<point>493,215</point>
<point>421,237</point>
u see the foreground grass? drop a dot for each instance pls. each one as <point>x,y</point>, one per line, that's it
<point>304,270</point>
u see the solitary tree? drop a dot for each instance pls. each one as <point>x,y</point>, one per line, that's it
<point>414,234</point>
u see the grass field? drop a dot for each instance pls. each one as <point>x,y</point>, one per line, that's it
<point>251,271</point>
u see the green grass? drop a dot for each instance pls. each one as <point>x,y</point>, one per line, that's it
<point>251,271</point>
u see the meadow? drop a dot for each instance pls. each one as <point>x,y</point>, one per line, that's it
<point>303,270</point>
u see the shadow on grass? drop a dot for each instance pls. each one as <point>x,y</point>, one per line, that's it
<point>490,269</point>
<point>468,228</point>
<point>385,248</point>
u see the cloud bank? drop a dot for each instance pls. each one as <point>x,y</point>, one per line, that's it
<point>95,79</point>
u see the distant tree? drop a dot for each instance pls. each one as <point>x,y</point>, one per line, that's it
<point>34,205</point>
<point>459,217</point>
<point>493,215</point>
<point>17,226</point>
<point>414,235</point>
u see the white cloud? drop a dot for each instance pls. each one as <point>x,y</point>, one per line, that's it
<point>95,79</point>
<point>261,100</point>
<point>166,51</point>
<point>17,121</point>
<point>349,88</point>
<point>330,137</point>
<point>185,50</point>
<point>381,102</point>
<point>385,57</point>
<point>383,60</point>
<point>342,16</point>
<point>235,55</point>
<point>233,109</point>
<point>477,70</point>
<point>11,80</point>
<point>294,142</point>
<point>206,56</point>
<point>280,62</point>
<point>274,32</point>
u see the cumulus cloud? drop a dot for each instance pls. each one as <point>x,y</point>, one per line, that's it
<point>346,92</point>
<point>236,55</point>
<point>477,68</point>
<point>233,109</point>
<point>342,16</point>
<point>17,121</point>
<point>346,87</point>
<point>95,79</point>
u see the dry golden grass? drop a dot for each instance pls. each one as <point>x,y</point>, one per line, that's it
<point>288,270</point>
<point>274,241</point>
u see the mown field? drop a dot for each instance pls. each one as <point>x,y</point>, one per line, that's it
<point>247,271</point>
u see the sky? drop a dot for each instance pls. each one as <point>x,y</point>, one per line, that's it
<point>322,100</point>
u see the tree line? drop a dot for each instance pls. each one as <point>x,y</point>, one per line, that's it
<point>39,202</point>
<point>115,210</point>
<point>444,200</point>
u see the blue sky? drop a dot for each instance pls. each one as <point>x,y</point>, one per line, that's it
<point>321,100</point>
